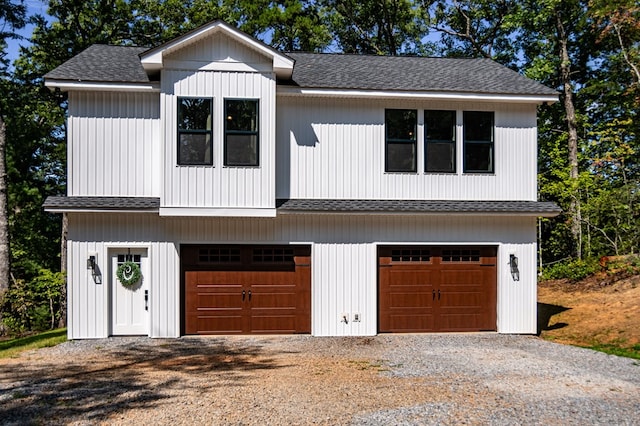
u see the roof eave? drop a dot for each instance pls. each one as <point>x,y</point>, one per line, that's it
<point>285,90</point>
<point>103,86</point>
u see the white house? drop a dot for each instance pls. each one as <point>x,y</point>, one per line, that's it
<point>264,192</point>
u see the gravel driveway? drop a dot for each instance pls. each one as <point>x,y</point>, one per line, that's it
<point>383,380</point>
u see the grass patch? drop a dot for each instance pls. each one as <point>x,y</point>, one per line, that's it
<point>12,347</point>
<point>627,352</point>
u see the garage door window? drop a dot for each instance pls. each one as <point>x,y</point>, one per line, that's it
<point>460,255</point>
<point>273,255</point>
<point>219,255</point>
<point>410,255</point>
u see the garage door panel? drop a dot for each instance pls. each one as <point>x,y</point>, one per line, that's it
<point>407,323</point>
<point>273,324</point>
<point>215,324</point>
<point>409,277</point>
<point>412,300</point>
<point>461,322</point>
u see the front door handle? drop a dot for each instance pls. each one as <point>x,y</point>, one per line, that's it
<point>146,300</point>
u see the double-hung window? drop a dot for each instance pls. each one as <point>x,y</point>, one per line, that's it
<point>241,139</point>
<point>440,141</point>
<point>400,125</point>
<point>478,142</point>
<point>194,131</point>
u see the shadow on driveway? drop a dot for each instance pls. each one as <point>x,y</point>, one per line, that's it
<point>106,382</point>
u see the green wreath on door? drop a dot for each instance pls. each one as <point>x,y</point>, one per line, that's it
<point>128,273</point>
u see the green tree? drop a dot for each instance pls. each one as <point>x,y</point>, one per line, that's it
<point>379,27</point>
<point>12,17</point>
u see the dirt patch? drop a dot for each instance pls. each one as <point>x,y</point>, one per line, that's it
<point>603,309</point>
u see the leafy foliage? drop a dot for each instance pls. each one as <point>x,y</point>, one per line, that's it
<point>33,305</point>
<point>574,270</point>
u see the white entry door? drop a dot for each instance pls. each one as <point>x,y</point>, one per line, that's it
<point>130,304</point>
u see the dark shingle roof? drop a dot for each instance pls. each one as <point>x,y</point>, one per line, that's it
<point>102,63</point>
<point>101,203</point>
<point>407,73</point>
<point>118,64</point>
<point>540,208</point>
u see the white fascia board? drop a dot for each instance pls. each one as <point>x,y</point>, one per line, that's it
<point>66,86</point>
<point>400,213</point>
<point>216,212</point>
<point>388,94</point>
<point>153,60</point>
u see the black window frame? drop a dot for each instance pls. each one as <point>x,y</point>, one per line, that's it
<point>234,132</point>
<point>183,131</point>
<point>452,142</point>
<point>398,141</point>
<point>467,142</point>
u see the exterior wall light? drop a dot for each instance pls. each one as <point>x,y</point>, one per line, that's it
<point>513,265</point>
<point>95,269</point>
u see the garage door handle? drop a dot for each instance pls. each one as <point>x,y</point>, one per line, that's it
<point>243,294</point>
<point>433,294</point>
<point>249,295</point>
<point>438,294</point>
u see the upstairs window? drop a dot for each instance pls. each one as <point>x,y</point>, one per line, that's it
<point>194,131</point>
<point>478,142</point>
<point>440,141</point>
<point>401,142</point>
<point>241,132</point>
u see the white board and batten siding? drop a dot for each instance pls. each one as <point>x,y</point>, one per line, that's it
<point>113,144</point>
<point>344,262</point>
<point>332,148</point>
<point>218,69</point>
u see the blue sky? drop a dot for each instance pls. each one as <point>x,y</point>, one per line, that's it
<point>33,7</point>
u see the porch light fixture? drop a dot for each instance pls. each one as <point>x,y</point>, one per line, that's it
<point>95,270</point>
<point>513,265</point>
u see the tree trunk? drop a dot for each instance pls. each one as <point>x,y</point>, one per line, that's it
<point>63,268</point>
<point>572,128</point>
<point>5,258</point>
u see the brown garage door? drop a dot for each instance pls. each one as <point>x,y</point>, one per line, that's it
<point>429,289</point>
<point>246,289</point>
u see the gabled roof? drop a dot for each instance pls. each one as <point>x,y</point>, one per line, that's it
<point>152,60</point>
<point>104,67</point>
<point>410,73</point>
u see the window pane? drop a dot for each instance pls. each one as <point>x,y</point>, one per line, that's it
<point>478,142</point>
<point>241,150</point>
<point>194,114</point>
<point>478,157</point>
<point>440,125</point>
<point>440,157</point>
<point>401,157</point>
<point>478,126</point>
<point>194,148</point>
<point>401,124</point>
<point>440,137</point>
<point>242,115</point>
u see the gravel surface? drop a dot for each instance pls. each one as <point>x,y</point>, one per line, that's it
<point>286,380</point>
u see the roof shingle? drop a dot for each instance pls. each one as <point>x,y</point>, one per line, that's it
<point>120,64</point>
<point>542,208</point>
<point>102,63</point>
<point>101,203</point>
